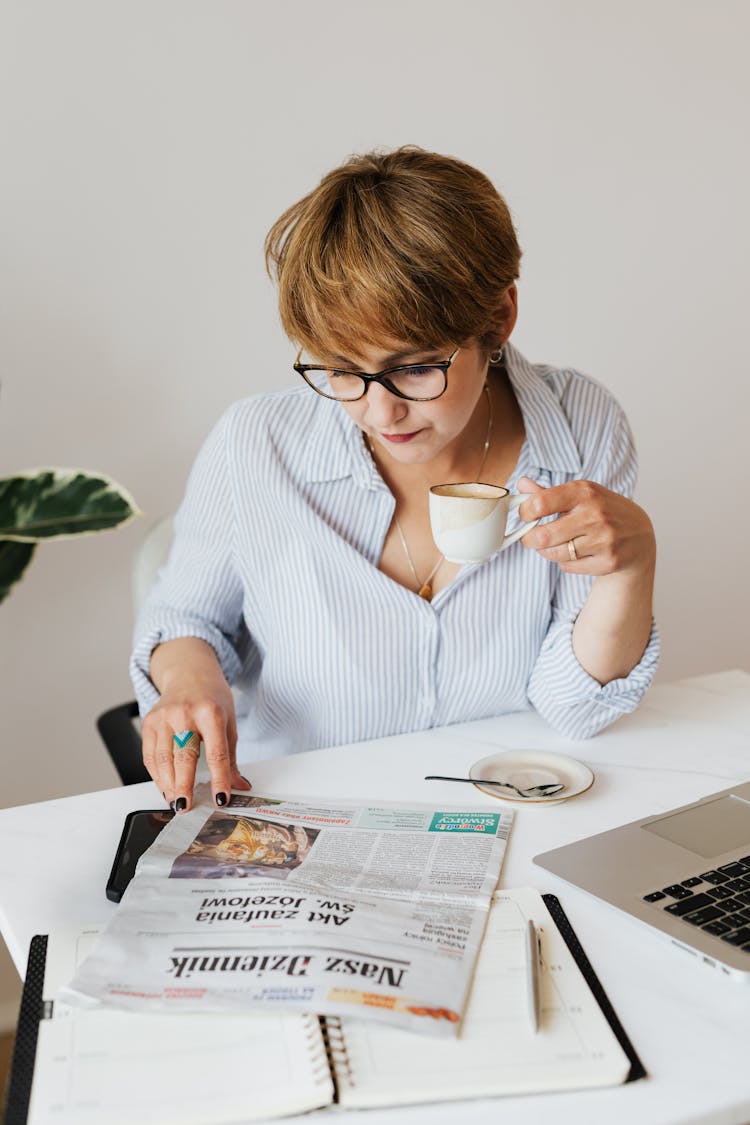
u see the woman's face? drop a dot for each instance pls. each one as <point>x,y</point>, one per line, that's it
<point>415,433</point>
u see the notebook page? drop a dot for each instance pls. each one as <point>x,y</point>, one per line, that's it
<point>496,1051</point>
<point>112,1067</point>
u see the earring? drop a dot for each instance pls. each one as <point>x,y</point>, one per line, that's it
<point>496,357</point>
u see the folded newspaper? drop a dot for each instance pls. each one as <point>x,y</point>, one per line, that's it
<point>331,907</point>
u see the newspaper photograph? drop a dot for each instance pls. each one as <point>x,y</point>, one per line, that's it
<point>337,908</point>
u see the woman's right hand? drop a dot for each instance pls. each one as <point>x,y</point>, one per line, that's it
<point>196,697</point>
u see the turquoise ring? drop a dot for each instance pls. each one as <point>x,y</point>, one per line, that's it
<point>186,740</point>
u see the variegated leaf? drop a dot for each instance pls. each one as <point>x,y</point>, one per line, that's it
<point>56,503</point>
<point>14,558</point>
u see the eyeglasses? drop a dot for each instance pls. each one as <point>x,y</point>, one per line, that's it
<point>417,382</point>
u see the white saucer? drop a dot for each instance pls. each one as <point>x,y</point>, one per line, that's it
<point>525,768</point>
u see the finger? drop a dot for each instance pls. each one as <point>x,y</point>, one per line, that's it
<point>548,537</point>
<point>559,498</point>
<point>526,484</point>
<point>185,753</point>
<point>589,556</point>
<point>165,761</point>
<point>564,556</point>
<point>148,749</point>
<point>216,745</point>
<point>238,781</point>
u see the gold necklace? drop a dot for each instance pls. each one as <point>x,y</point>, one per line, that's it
<point>424,589</point>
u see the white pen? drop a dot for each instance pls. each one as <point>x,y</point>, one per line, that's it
<point>533,976</point>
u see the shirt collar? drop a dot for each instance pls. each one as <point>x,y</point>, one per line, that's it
<point>549,439</point>
<point>335,448</point>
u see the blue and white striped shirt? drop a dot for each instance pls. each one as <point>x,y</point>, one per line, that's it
<point>275,564</point>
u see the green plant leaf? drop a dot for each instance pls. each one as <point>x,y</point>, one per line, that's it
<point>55,503</point>
<point>14,558</point>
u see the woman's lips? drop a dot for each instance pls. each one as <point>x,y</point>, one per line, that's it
<point>397,438</point>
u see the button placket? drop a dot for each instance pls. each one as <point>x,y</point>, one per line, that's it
<point>429,654</point>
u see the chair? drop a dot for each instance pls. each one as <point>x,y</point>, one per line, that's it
<point>122,738</point>
<point>119,727</point>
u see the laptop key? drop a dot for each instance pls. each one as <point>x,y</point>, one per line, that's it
<point>734,920</point>
<point>726,907</point>
<point>677,891</point>
<point>693,882</point>
<point>739,937</point>
<point>734,869</point>
<point>717,928</point>
<point>700,917</point>
<point>694,902</point>
<point>744,897</point>
<point>722,891</point>
<point>654,896</point>
<point>714,877</point>
<point>738,885</point>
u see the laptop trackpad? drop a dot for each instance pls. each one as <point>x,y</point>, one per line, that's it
<point>710,829</point>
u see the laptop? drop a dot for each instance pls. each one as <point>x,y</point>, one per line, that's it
<point>685,872</point>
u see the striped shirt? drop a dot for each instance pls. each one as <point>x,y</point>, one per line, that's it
<point>275,564</point>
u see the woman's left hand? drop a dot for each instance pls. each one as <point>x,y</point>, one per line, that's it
<point>610,533</point>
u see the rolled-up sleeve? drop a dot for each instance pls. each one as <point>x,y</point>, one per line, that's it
<point>560,689</point>
<point>198,592</point>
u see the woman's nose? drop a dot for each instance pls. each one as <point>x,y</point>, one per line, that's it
<point>383,408</point>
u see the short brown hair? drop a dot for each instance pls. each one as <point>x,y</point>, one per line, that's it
<point>408,244</point>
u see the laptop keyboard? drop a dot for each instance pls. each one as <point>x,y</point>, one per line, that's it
<point>717,901</point>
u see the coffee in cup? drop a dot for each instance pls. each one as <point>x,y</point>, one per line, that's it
<point>468,520</point>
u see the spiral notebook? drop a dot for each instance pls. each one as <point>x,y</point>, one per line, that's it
<point>74,1066</point>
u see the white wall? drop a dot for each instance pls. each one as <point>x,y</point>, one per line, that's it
<point>148,145</point>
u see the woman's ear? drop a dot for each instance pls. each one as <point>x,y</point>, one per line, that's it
<point>507,314</point>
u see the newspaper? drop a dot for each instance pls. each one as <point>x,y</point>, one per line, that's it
<point>333,907</point>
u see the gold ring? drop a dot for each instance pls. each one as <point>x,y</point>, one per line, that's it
<point>572,550</point>
<point>187,740</point>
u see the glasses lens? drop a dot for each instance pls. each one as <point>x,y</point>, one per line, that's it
<point>419,383</point>
<point>343,386</point>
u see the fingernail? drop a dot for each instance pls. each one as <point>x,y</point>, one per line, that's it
<point>171,804</point>
<point>164,795</point>
<point>181,804</point>
<point>245,779</point>
<point>221,799</point>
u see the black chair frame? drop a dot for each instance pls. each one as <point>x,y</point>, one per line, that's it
<point>123,742</point>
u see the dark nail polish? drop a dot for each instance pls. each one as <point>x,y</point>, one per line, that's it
<point>181,804</point>
<point>221,799</point>
<point>171,805</point>
<point>164,795</point>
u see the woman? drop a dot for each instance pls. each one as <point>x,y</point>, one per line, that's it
<point>303,568</point>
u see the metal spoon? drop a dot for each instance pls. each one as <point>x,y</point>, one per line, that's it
<point>547,790</point>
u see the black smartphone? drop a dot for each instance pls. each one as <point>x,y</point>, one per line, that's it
<point>139,832</point>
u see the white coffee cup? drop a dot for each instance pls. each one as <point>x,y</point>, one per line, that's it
<point>468,520</point>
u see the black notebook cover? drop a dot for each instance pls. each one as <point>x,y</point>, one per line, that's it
<point>32,1011</point>
<point>18,1091</point>
<point>560,918</point>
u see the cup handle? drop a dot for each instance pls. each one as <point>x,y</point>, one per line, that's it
<point>521,530</point>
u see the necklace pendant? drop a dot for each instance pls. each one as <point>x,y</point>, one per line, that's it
<point>425,591</point>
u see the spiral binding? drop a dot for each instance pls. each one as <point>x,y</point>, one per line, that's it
<point>339,1063</point>
<point>317,1049</point>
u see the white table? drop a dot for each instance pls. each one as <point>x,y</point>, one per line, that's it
<point>690,1025</point>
